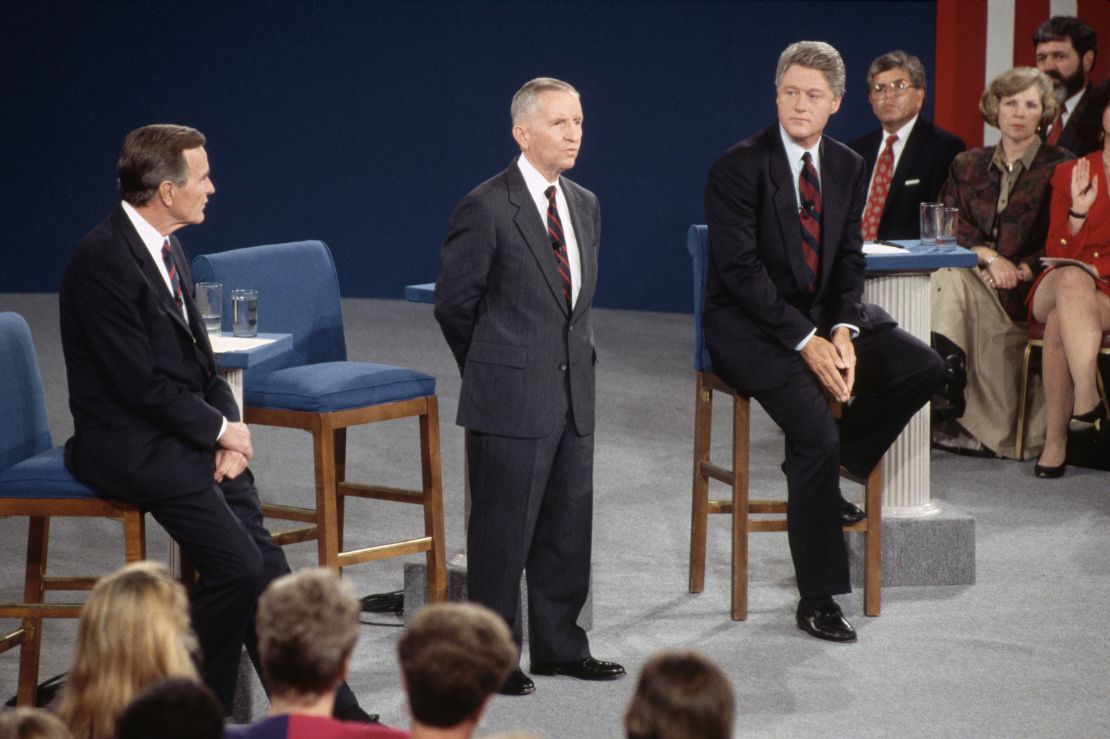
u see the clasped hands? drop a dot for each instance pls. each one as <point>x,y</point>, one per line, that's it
<point>233,451</point>
<point>833,362</point>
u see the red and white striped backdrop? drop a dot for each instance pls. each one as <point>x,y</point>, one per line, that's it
<point>979,39</point>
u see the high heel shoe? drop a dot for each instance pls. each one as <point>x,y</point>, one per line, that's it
<point>1049,473</point>
<point>1094,418</point>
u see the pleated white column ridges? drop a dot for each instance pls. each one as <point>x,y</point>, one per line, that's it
<point>906,471</point>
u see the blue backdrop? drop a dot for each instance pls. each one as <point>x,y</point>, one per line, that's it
<point>363,123</point>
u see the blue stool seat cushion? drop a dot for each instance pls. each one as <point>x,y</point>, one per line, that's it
<point>42,476</point>
<point>335,386</point>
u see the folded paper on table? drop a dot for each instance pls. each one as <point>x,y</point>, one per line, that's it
<point>221,344</point>
<point>879,247</point>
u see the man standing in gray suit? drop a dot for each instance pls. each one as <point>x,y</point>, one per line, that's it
<point>513,300</point>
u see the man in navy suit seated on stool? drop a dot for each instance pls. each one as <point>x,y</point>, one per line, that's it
<point>785,323</point>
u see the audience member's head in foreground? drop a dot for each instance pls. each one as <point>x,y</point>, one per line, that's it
<point>681,695</point>
<point>453,658</point>
<point>176,708</point>
<point>133,631</point>
<point>31,723</point>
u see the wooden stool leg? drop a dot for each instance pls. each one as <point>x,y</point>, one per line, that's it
<point>432,476</point>
<point>873,562</point>
<point>38,539</point>
<point>339,442</point>
<point>741,424</point>
<point>323,450</point>
<point>699,507</point>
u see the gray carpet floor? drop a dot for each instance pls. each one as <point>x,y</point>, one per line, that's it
<point>1025,651</point>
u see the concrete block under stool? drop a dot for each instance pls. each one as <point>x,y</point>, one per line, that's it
<point>416,591</point>
<point>934,549</point>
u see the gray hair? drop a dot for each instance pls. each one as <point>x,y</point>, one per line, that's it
<point>1013,81</point>
<point>815,55</point>
<point>897,60</point>
<point>524,101</point>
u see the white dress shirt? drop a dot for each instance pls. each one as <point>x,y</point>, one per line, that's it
<point>536,184</point>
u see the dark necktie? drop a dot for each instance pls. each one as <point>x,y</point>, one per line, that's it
<point>558,242</point>
<point>171,270</point>
<point>1057,126</point>
<point>880,188</point>
<point>809,187</point>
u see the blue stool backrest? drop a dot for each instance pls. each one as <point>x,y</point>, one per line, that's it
<point>24,431</point>
<point>298,293</point>
<point>697,243</point>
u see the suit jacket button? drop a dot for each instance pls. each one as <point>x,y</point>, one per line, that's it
<point>563,367</point>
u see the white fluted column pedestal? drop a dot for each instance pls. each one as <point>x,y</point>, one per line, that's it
<point>924,541</point>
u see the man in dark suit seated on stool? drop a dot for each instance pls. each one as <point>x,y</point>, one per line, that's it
<point>907,156</point>
<point>154,422</point>
<point>785,323</point>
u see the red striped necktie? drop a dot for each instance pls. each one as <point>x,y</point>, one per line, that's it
<point>558,242</point>
<point>809,187</point>
<point>1057,126</point>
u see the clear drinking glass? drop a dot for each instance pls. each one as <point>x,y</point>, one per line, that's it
<point>244,312</point>
<point>210,301</point>
<point>948,224</point>
<point>928,221</point>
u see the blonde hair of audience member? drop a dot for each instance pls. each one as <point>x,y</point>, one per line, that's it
<point>1013,82</point>
<point>453,657</point>
<point>680,695</point>
<point>307,628</point>
<point>133,631</point>
<point>31,723</point>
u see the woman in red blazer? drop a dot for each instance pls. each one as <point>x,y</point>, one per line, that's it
<point>1073,301</point>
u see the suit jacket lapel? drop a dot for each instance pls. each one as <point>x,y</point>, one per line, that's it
<point>584,230</point>
<point>834,209</point>
<point>534,232</point>
<point>785,198</point>
<point>910,153</point>
<point>150,270</point>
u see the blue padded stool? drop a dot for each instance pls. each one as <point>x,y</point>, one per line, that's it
<point>317,389</point>
<point>35,483</point>
<point>762,515</point>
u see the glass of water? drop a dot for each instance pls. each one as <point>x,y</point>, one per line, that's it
<point>210,301</point>
<point>244,312</point>
<point>929,223</point>
<point>947,228</point>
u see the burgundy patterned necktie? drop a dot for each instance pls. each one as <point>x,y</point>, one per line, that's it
<point>558,242</point>
<point>880,188</point>
<point>171,270</point>
<point>809,187</point>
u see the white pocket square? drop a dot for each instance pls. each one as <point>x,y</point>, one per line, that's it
<point>912,182</point>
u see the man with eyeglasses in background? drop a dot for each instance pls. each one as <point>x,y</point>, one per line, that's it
<point>908,157</point>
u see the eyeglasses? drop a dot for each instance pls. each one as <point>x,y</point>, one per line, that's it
<point>897,89</point>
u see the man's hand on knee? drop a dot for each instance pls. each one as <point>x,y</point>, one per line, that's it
<point>827,365</point>
<point>237,438</point>
<point>229,464</point>
<point>842,340</point>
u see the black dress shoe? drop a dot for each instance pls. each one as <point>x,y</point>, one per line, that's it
<point>825,620</point>
<point>1094,418</point>
<point>583,669</point>
<point>353,712</point>
<point>850,513</point>
<point>1049,473</point>
<point>517,683</point>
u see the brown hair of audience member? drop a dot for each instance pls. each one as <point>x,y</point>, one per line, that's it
<point>133,631</point>
<point>176,708</point>
<point>680,695</point>
<point>152,155</point>
<point>453,657</point>
<point>307,629</point>
<point>1059,27</point>
<point>1088,119</point>
<point>31,723</point>
<point>1013,81</point>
